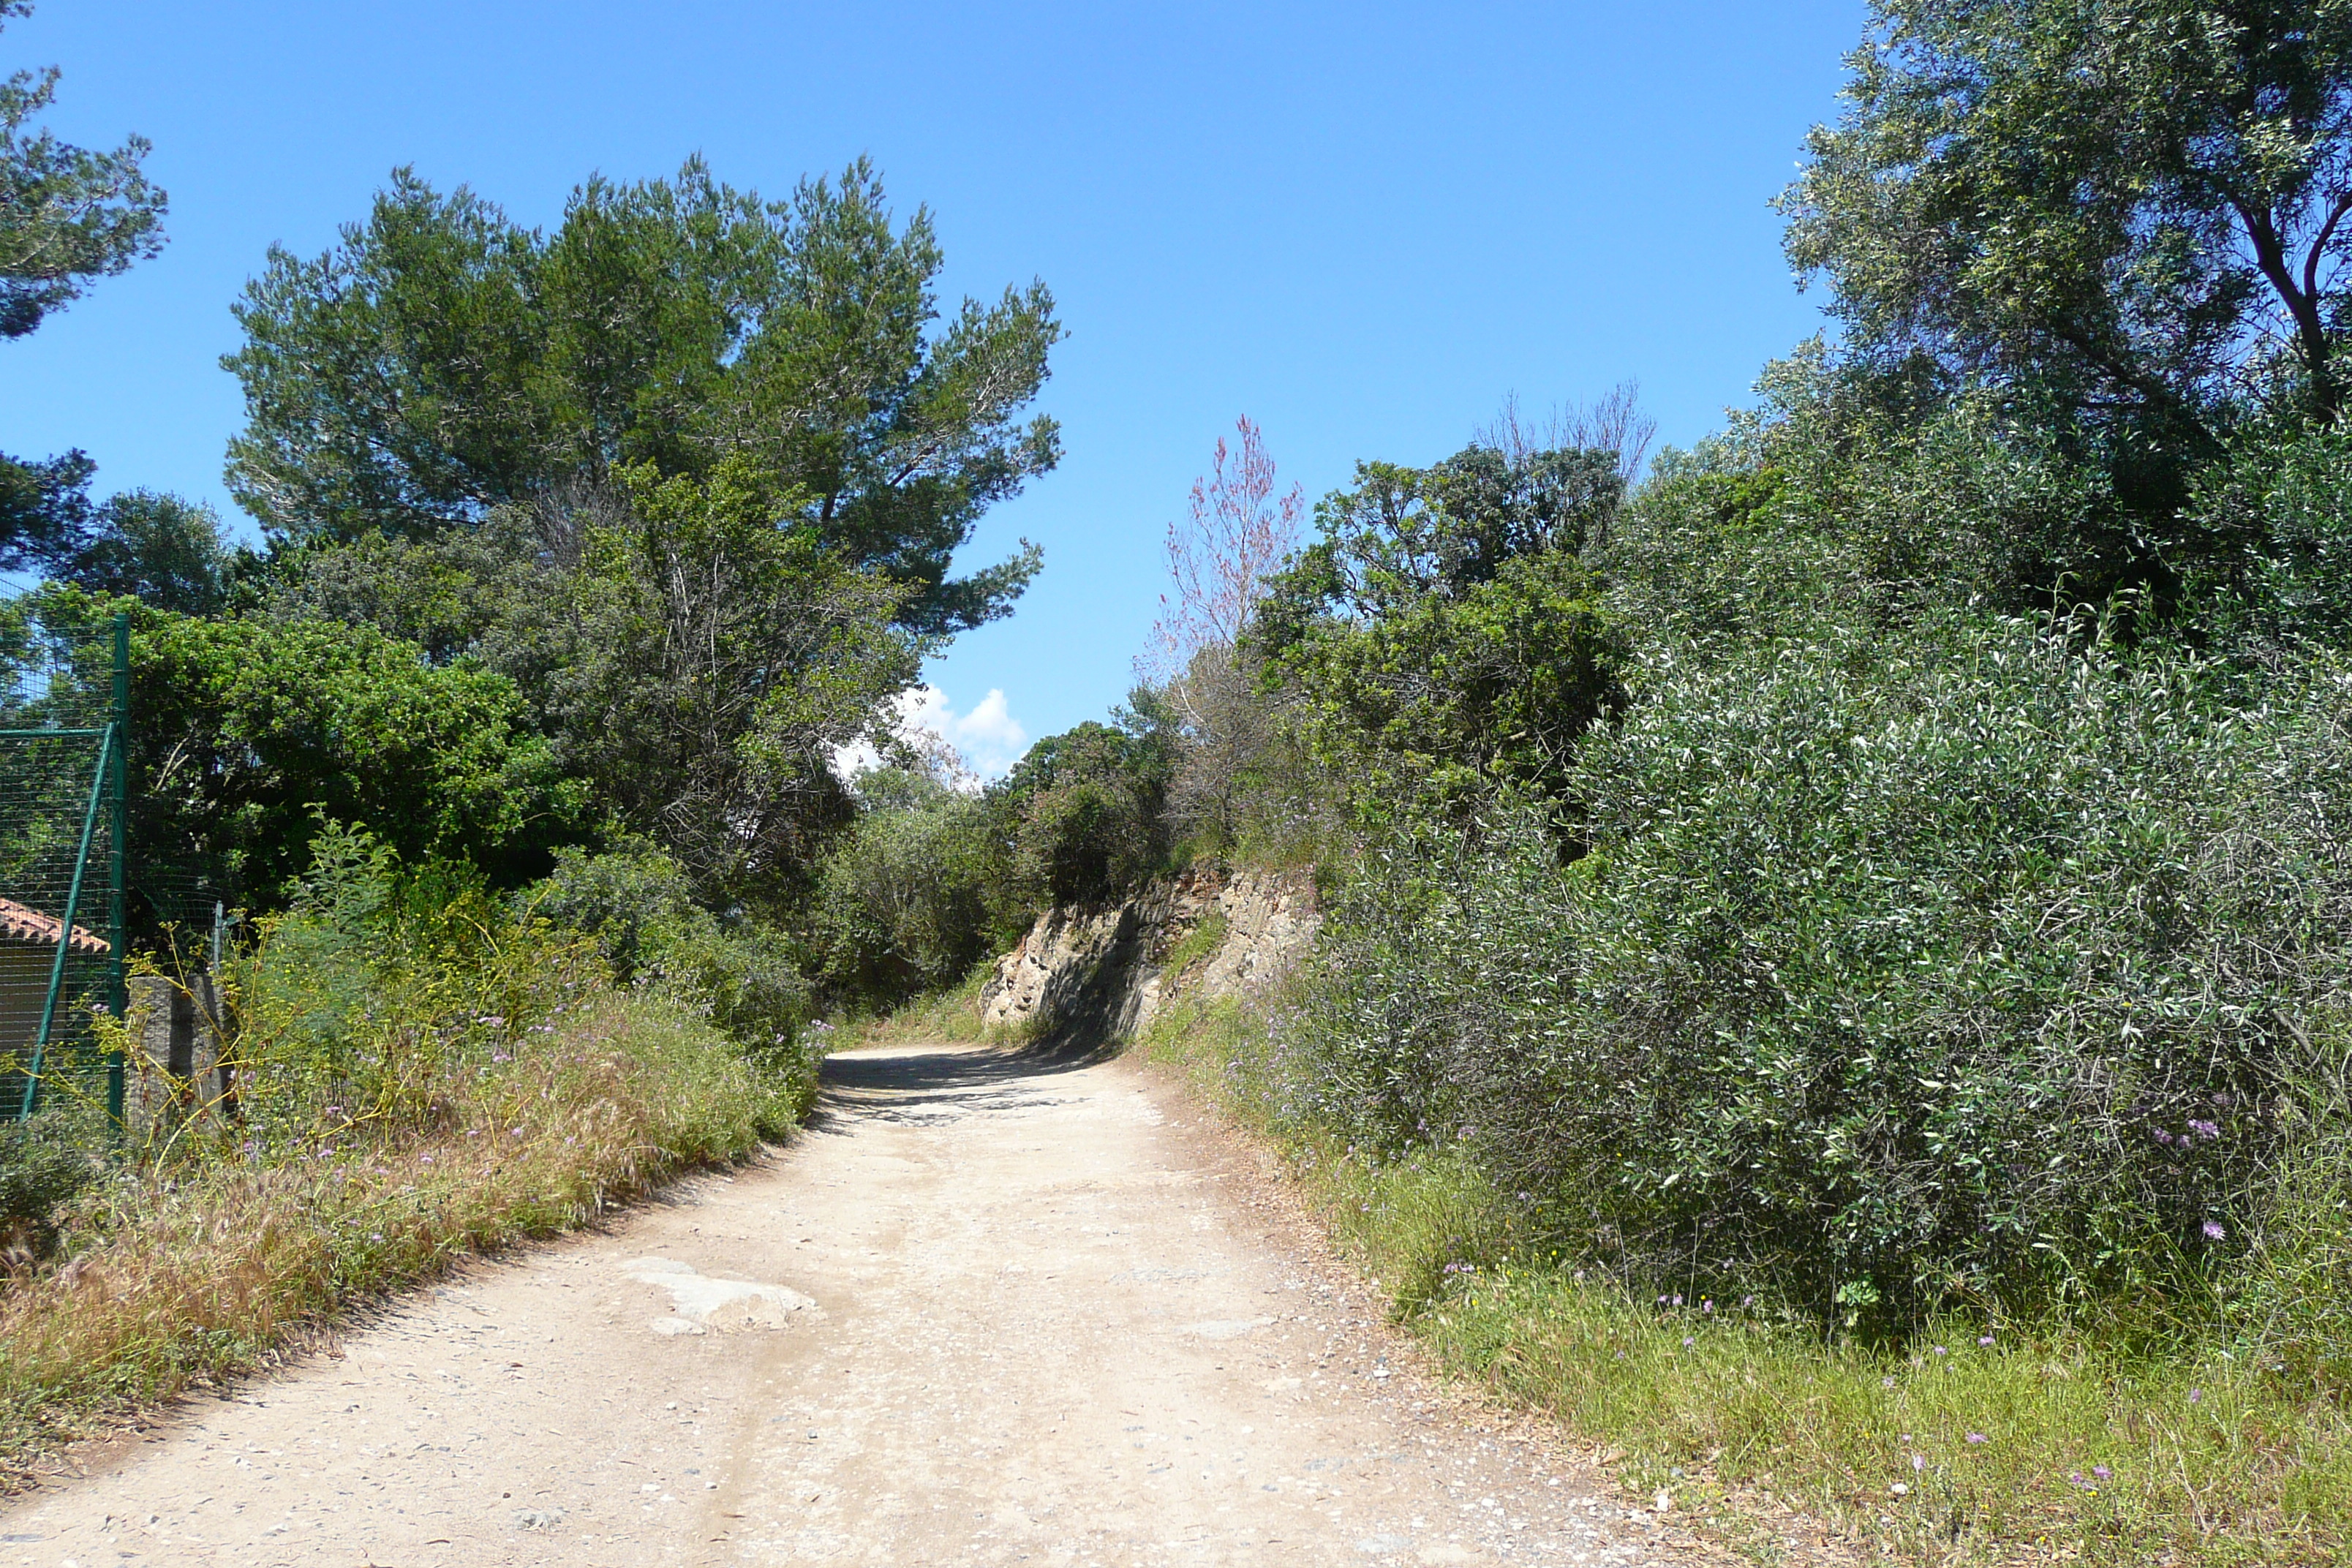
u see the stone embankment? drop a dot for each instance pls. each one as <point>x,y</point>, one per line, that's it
<point>1096,976</point>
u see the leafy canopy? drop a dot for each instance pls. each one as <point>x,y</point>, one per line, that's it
<point>1445,633</point>
<point>2132,208</point>
<point>442,361</point>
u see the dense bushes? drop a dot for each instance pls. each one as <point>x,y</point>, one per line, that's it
<point>1969,965</point>
<point>637,906</point>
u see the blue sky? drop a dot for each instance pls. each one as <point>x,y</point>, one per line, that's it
<point>1364,227</point>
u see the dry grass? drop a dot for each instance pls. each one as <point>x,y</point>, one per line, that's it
<point>227,1264</point>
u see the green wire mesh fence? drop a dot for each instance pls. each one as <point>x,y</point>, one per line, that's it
<point>64,810</point>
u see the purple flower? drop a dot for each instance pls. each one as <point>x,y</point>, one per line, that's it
<point>2205,1130</point>
<point>2161,1136</point>
<point>1686,1341</point>
<point>1940,1349</point>
<point>1706,1306</point>
<point>2196,1396</point>
<point>1984,1339</point>
<point>1919,1461</point>
<point>1748,1300</point>
<point>1678,1301</point>
<point>2213,1231</point>
<point>1978,1438</point>
<point>2102,1471</point>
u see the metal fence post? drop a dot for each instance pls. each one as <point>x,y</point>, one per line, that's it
<point>118,990</point>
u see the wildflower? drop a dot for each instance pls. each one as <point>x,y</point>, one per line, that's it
<point>1906,1438</point>
<point>1686,1341</point>
<point>1706,1306</point>
<point>2196,1396</point>
<point>375,1236</point>
<point>1978,1438</point>
<point>2163,1137</point>
<point>1984,1339</point>
<point>1940,1350</point>
<point>2102,1472</point>
<point>1748,1300</point>
<point>2205,1130</point>
<point>2213,1231</point>
<point>1885,1383</point>
<point>1919,1461</point>
<point>1678,1301</point>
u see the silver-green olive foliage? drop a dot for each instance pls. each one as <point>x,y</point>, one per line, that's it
<point>2132,209</point>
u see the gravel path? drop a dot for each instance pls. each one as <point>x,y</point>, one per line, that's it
<point>989,1309</point>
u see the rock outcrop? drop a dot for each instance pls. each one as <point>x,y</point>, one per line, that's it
<point>1095,977</point>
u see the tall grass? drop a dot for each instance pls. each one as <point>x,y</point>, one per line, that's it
<point>211,1268</point>
<point>419,1074</point>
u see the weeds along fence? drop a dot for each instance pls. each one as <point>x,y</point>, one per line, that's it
<point>65,731</point>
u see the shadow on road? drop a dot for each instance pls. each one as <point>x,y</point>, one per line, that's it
<point>938,1085</point>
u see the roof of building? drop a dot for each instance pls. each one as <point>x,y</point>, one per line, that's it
<point>22,925</point>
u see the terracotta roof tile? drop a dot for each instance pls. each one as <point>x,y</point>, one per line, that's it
<point>23,924</point>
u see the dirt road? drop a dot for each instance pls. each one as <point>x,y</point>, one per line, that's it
<point>988,1311</point>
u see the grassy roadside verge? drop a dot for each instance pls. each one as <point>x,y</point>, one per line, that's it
<point>177,1280</point>
<point>1983,1443</point>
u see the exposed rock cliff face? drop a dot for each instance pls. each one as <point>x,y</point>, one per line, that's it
<point>1095,977</point>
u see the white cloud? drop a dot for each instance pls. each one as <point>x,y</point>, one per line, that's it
<point>980,745</point>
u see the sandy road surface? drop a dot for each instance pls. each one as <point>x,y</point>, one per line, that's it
<point>989,1310</point>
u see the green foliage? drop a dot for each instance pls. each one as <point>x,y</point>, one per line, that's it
<point>2278,514</point>
<point>638,904</point>
<point>736,659</point>
<point>164,552</point>
<point>912,896</point>
<point>2127,206</point>
<point>1088,804</point>
<point>247,730</point>
<point>1442,634</point>
<point>384,977</point>
<point>1965,967</point>
<point>441,363</point>
<point>45,1163</point>
<point>68,216</point>
<point>694,664</point>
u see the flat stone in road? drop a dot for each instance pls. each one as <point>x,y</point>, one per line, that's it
<point>990,1309</point>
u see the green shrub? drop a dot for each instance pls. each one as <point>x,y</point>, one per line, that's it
<point>45,1163</point>
<point>1972,967</point>
<point>636,905</point>
<point>910,899</point>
